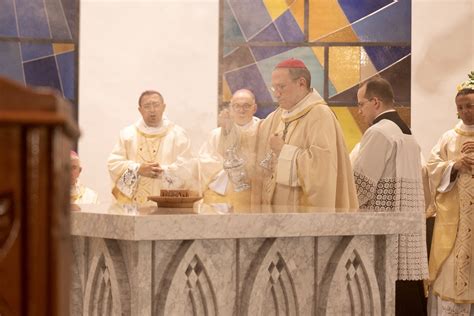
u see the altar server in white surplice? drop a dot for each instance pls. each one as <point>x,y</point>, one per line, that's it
<point>218,187</point>
<point>152,154</point>
<point>387,172</point>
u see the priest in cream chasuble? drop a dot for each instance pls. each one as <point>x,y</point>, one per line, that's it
<point>451,171</point>
<point>301,155</point>
<point>152,154</point>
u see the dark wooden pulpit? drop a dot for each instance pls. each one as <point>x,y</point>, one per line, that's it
<point>37,130</point>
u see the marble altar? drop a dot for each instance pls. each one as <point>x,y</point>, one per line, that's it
<point>280,262</point>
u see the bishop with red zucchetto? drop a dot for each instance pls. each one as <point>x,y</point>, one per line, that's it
<point>301,152</point>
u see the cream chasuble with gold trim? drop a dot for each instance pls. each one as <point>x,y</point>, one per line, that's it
<point>451,265</point>
<point>167,145</point>
<point>313,168</point>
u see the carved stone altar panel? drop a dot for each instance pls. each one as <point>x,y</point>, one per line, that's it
<point>107,288</point>
<point>349,284</point>
<point>278,278</point>
<point>194,277</point>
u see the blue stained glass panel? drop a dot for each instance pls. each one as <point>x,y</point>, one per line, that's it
<point>72,13</point>
<point>10,61</point>
<point>31,51</point>
<point>7,18</point>
<point>288,28</point>
<point>354,10</point>
<point>384,56</point>
<point>57,20</point>
<point>251,15</point>
<point>66,64</point>
<point>32,19</point>
<point>42,72</point>
<point>396,22</point>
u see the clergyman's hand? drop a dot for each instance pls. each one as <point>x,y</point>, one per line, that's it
<point>150,170</point>
<point>467,147</point>
<point>276,144</point>
<point>224,120</point>
<point>464,163</point>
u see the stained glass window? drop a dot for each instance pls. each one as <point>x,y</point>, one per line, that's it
<point>342,43</point>
<point>39,43</point>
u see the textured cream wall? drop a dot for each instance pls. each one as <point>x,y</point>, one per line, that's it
<point>172,46</point>
<point>130,46</point>
<point>442,56</point>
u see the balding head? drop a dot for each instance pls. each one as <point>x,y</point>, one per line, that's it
<point>75,167</point>
<point>242,106</point>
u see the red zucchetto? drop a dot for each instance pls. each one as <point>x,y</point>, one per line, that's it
<point>291,63</point>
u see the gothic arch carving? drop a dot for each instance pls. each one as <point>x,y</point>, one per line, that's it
<point>189,285</point>
<point>349,265</point>
<point>107,287</point>
<point>269,287</point>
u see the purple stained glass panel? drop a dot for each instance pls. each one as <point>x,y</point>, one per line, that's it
<point>269,34</point>
<point>288,28</point>
<point>42,72</point>
<point>251,15</point>
<point>249,78</point>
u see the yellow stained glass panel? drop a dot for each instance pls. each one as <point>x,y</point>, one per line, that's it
<point>325,17</point>
<point>352,133</point>
<point>275,7</point>
<point>59,48</point>
<point>297,9</point>
<point>344,67</point>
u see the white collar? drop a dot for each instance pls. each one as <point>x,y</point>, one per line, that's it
<point>249,124</point>
<point>150,130</point>
<point>302,104</point>
<point>391,110</point>
<point>464,127</point>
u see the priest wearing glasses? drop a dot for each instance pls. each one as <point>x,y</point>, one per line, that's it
<point>301,155</point>
<point>150,155</point>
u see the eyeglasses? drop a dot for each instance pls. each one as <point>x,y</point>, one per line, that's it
<point>361,104</point>
<point>151,106</point>
<point>280,87</point>
<point>245,106</point>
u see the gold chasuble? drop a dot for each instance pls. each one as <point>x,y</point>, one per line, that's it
<point>451,267</point>
<point>167,145</point>
<point>313,168</point>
